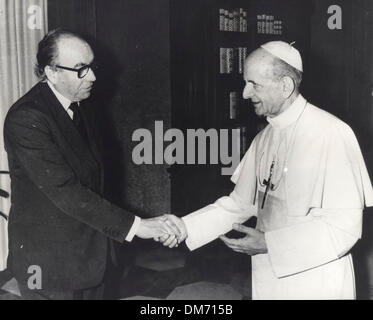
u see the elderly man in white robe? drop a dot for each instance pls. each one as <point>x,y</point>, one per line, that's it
<point>305,180</point>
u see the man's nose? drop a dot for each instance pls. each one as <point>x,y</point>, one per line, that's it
<point>247,91</point>
<point>91,75</point>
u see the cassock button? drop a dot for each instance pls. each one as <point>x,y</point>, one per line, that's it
<point>285,170</point>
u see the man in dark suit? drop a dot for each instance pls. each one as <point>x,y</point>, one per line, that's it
<point>59,221</point>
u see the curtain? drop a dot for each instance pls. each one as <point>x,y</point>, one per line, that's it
<point>23,23</point>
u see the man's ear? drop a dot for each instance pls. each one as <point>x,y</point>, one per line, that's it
<point>288,86</point>
<point>51,74</point>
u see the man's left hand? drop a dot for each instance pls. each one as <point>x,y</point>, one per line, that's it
<point>253,243</point>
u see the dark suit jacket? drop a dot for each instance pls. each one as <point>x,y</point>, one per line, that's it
<point>58,219</point>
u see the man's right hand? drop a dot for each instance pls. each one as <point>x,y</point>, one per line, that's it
<point>170,241</point>
<point>157,227</point>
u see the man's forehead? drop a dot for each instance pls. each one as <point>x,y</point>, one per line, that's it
<point>74,51</point>
<point>259,57</point>
<point>258,63</point>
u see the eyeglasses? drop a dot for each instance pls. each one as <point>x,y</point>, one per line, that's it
<point>83,71</point>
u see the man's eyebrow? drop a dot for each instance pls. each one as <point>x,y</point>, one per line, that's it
<point>81,64</point>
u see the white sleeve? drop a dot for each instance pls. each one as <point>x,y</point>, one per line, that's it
<point>330,234</point>
<point>134,228</point>
<point>216,219</point>
<point>208,223</point>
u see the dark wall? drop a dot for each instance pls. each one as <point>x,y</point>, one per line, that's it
<point>339,76</point>
<point>75,15</point>
<point>134,40</point>
<point>326,74</point>
<point>131,41</point>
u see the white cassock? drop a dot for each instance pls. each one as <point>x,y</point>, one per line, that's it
<point>312,214</point>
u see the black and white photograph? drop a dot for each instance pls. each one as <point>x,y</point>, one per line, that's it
<point>186,150</point>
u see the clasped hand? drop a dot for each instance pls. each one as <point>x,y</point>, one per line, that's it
<point>167,229</point>
<point>252,243</point>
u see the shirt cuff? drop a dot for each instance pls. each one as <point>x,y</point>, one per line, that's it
<point>134,228</point>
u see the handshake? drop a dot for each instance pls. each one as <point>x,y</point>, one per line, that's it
<point>168,229</point>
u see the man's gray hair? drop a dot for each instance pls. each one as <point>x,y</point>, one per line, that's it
<point>283,69</point>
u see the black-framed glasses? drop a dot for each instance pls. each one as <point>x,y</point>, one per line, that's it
<point>83,71</point>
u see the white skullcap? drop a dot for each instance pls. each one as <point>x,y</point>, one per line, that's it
<point>285,52</point>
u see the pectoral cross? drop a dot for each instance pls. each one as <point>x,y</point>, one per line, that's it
<point>268,183</point>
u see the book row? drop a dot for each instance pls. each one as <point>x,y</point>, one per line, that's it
<point>266,24</point>
<point>234,20</point>
<point>232,60</point>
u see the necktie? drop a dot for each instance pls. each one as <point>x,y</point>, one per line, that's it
<point>78,121</point>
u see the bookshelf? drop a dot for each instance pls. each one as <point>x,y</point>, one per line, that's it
<point>209,41</point>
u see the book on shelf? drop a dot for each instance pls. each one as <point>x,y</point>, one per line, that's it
<point>241,20</point>
<point>242,54</point>
<point>221,19</point>
<point>230,23</point>
<point>279,27</point>
<point>259,24</point>
<point>226,20</point>
<point>240,60</point>
<point>271,20</point>
<point>267,24</point>
<point>263,23</point>
<point>222,60</point>
<point>243,140</point>
<point>230,60</point>
<point>244,21</point>
<point>236,20</point>
<point>233,105</point>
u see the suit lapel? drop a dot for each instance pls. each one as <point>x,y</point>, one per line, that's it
<point>92,140</point>
<point>90,133</point>
<point>88,123</point>
<point>67,127</point>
